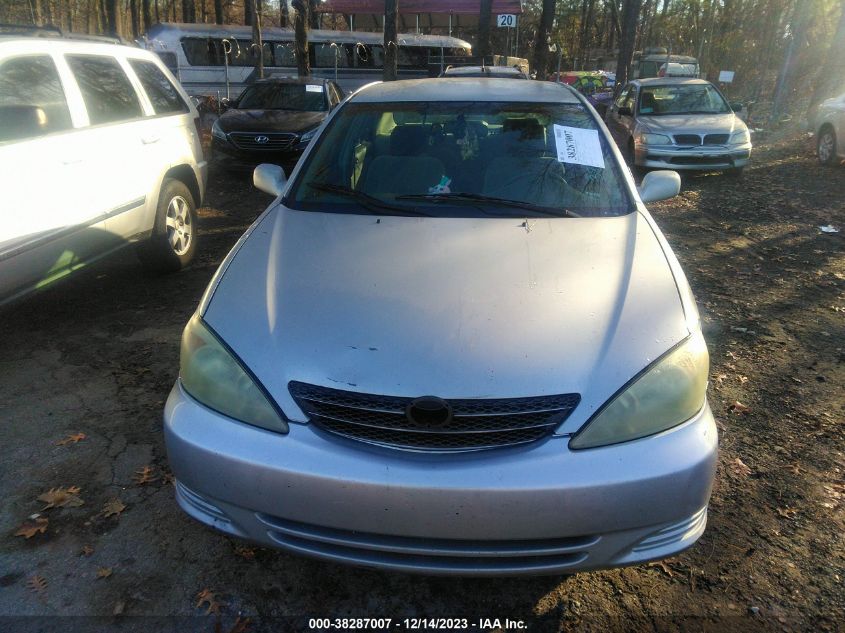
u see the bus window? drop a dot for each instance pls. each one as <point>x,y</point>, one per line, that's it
<point>325,55</point>
<point>412,57</point>
<point>203,51</point>
<point>284,54</point>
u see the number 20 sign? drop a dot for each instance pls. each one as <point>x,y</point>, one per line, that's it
<point>506,20</point>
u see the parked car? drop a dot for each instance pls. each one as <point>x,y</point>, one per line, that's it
<point>100,149</point>
<point>470,354</point>
<point>673,123</point>
<point>830,130</point>
<point>273,120</point>
<point>491,72</point>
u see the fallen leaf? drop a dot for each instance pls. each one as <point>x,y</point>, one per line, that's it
<point>739,468</point>
<point>738,407</point>
<point>144,476</point>
<point>28,530</point>
<point>61,498</point>
<point>206,596</point>
<point>168,478</point>
<point>787,513</point>
<point>76,437</point>
<point>118,608</point>
<point>245,552</point>
<point>720,378</point>
<point>742,379</point>
<point>240,626</point>
<point>103,572</point>
<point>87,550</point>
<point>37,583</point>
<point>663,567</point>
<point>113,508</point>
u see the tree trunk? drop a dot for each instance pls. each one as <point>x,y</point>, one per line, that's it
<point>248,12</point>
<point>630,15</point>
<point>300,25</point>
<point>39,14</point>
<point>541,45</point>
<point>799,26</point>
<point>391,19</point>
<point>189,11</point>
<point>112,23</point>
<point>829,82</point>
<point>313,16</point>
<point>484,19</point>
<point>284,18</point>
<point>133,17</point>
<point>218,11</point>
<point>257,45</point>
<point>146,14</point>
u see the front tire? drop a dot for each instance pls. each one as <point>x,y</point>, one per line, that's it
<point>173,243</point>
<point>826,147</point>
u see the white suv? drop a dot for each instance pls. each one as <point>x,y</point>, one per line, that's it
<point>99,148</point>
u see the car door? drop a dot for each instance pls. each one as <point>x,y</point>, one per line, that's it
<point>46,229</point>
<point>616,120</point>
<point>115,155</point>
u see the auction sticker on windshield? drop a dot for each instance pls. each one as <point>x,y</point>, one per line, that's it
<point>578,146</point>
<point>312,88</point>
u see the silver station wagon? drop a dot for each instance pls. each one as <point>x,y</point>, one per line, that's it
<point>456,343</point>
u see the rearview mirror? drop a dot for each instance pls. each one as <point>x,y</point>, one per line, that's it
<point>659,185</point>
<point>269,179</point>
<point>736,107</point>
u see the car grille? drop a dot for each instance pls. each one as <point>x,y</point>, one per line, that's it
<point>275,140</point>
<point>697,139</point>
<point>687,139</point>
<point>476,424</point>
<point>700,160</point>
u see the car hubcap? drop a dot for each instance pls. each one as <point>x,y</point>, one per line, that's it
<point>826,147</point>
<point>180,231</point>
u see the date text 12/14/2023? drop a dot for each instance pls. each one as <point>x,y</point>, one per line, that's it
<point>415,624</point>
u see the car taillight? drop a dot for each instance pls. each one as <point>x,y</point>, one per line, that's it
<point>200,135</point>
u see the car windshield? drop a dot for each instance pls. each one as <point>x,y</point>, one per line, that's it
<point>462,159</point>
<point>272,96</point>
<point>682,99</point>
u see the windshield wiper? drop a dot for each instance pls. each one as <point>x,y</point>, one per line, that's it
<point>476,198</point>
<point>370,202</point>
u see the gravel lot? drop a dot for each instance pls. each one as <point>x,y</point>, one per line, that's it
<point>97,355</point>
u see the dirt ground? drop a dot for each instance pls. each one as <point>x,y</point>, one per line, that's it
<point>97,355</point>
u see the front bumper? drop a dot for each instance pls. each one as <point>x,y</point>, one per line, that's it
<point>704,157</point>
<point>540,509</point>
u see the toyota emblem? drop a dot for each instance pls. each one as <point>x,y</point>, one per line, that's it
<point>262,140</point>
<point>429,412</point>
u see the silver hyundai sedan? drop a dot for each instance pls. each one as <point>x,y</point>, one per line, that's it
<point>456,343</point>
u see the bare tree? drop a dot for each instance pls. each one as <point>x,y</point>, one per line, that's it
<point>112,23</point>
<point>630,16</point>
<point>257,44</point>
<point>146,14</point>
<point>300,25</point>
<point>391,26</point>
<point>284,18</point>
<point>541,44</point>
<point>248,12</point>
<point>833,70</point>
<point>484,18</point>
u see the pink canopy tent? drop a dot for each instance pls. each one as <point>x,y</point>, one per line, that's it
<point>455,7</point>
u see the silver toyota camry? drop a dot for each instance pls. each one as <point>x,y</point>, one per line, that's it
<point>455,343</point>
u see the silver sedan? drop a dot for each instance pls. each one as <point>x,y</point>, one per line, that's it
<point>675,123</point>
<point>455,343</point>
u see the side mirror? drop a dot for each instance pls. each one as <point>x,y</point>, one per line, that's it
<point>269,179</point>
<point>22,121</point>
<point>625,111</point>
<point>659,185</point>
<point>736,107</point>
<point>226,103</point>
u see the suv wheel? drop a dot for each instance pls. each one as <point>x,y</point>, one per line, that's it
<point>173,243</point>
<point>826,146</point>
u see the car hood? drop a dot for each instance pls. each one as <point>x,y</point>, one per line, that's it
<point>269,120</point>
<point>451,307</point>
<point>692,123</point>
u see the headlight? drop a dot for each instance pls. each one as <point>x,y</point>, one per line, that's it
<point>217,131</point>
<point>307,136</point>
<point>645,138</point>
<point>670,392</point>
<point>740,138</point>
<point>214,377</point>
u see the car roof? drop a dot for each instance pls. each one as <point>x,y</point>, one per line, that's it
<point>662,81</point>
<point>466,89</point>
<point>489,70</point>
<point>292,80</point>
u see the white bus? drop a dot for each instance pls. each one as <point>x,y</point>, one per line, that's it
<point>217,60</point>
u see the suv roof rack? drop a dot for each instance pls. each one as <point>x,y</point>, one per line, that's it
<point>49,30</point>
